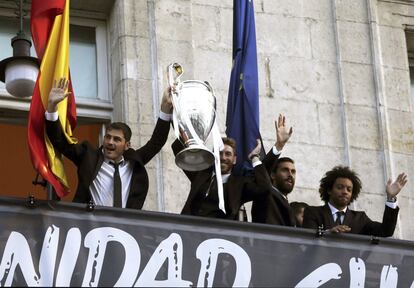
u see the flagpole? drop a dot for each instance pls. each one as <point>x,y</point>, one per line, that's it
<point>49,191</point>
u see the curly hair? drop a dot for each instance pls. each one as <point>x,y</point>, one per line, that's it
<point>327,182</point>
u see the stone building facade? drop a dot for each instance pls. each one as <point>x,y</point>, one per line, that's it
<point>338,69</point>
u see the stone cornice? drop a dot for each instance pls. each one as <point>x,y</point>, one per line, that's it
<point>407,2</point>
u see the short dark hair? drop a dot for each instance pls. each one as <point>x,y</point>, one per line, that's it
<point>297,205</point>
<point>231,142</point>
<point>279,161</point>
<point>330,177</point>
<point>121,126</point>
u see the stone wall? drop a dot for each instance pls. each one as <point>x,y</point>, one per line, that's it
<point>337,69</point>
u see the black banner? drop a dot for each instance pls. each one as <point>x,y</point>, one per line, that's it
<point>58,244</point>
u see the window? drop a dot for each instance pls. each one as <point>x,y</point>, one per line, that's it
<point>90,77</point>
<point>410,50</point>
<point>83,58</point>
<point>88,66</point>
<point>88,59</point>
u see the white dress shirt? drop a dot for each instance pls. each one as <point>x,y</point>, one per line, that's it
<point>102,187</point>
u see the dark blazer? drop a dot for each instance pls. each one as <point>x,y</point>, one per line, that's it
<point>88,160</point>
<point>237,191</point>
<point>272,207</point>
<point>358,221</point>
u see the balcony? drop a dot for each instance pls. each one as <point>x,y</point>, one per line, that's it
<point>66,244</point>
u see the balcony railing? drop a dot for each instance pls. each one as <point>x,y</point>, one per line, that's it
<point>63,244</point>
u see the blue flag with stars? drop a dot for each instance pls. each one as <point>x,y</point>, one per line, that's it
<point>242,121</point>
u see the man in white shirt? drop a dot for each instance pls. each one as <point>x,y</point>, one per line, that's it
<point>113,174</point>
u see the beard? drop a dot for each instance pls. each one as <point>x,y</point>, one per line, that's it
<point>226,167</point>
<point>284,186</point>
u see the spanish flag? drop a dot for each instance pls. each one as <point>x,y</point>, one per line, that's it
<point>49,23</point>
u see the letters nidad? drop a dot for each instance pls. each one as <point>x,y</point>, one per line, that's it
<point>17,253</point>
<point>57,263</point>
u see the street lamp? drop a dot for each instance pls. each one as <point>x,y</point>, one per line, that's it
<point>20,71</point>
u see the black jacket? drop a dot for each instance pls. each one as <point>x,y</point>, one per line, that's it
<point>88,160</point>
<point>358,221</point>
<point>237,191</point>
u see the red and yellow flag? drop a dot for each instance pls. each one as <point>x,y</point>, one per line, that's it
<point>49,23</point>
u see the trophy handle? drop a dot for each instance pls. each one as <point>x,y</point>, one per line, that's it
<point>175,71</point>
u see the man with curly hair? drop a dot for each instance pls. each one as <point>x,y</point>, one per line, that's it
<point>340,187</point>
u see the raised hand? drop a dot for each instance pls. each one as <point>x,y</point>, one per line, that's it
<point>166,102</point>
<point>282,132</point>
<point>57,94</point>
<point>395,187</point>
<point>256,150</point>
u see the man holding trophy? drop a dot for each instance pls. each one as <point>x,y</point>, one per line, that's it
<point>203,199</point>
<point>215,192</point>
<point>113,174</point>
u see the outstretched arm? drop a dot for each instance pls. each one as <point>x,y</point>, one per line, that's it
<point>160,133</point>
<point>53,128</point>
<point>261,185</point>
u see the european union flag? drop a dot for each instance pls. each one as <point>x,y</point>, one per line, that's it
<point>242,119</point>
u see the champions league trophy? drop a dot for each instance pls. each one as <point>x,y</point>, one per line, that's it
<point>194,117</point>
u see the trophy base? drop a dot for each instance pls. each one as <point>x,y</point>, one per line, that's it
<point>194,158</point>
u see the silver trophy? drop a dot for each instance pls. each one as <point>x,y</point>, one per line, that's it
<point>194,116</point>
